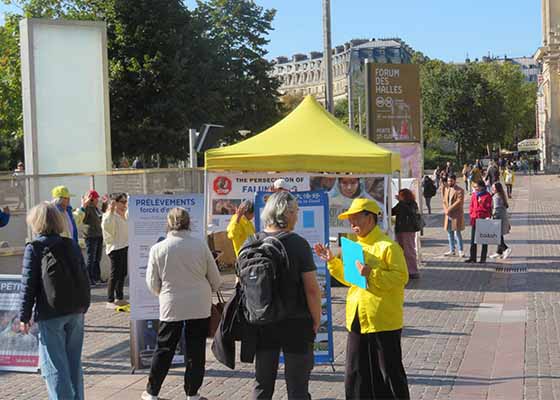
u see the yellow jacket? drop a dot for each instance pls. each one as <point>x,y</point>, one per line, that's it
<point>238,232</point>
<point>380,306</point>
<point>511,177</point>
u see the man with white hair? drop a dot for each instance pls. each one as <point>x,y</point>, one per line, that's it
<point>280,185</point>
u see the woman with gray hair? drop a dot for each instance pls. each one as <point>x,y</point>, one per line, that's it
<point>183,274</point>
<point>61,331</point>
<point>301,296</point>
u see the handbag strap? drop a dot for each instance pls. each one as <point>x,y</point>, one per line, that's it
<point>220,296</point>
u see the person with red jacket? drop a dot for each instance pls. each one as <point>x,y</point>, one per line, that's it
<point>480,208</point>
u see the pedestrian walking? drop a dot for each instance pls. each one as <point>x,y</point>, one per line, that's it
<point>466,175</point>
<point>536,165</point>
<point>114,225</point>
<point>429,190</point>
<point>61,329</point>
<point>374,316</point>
<point>492,175</point>
<point>241,226</point>
<point>61,198</point>
<point>499,211</point>
<point>19,184</point>
<point>476,174</point>
<point>296,288</point>
<point>509,180</point>
<point>480,208</point>
<point>448,168</point>
<point>435,176</point>
<point>183,274</point>
<point>408,222</point>
<point>454,220</point>
<point>89,216</point>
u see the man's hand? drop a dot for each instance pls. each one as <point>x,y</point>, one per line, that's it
<point>85,200</point>
<point>363,269</point>
<point>6,210</point>
<point>323,252</point>
<point>24,327</point>
<point>112,206</point>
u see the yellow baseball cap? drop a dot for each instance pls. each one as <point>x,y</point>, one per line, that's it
<point>359,205</point>
<point>60,191</point>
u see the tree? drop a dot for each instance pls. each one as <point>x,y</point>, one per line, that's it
<point>341,111</point>
<point>289,102</point>
<point>460,104</point>
<point>237,31</point>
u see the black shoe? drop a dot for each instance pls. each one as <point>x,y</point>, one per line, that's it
<point>414,276</point>
<point>482,262</point>
<point>470,261</point>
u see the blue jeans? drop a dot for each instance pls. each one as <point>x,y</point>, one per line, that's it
<point>94,248</point>
<point>451,236</point>
<point>60,356</point>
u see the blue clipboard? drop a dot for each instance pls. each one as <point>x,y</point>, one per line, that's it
<point>352,252</point>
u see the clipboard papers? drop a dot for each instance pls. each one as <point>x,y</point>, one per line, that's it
<point>352,252</point>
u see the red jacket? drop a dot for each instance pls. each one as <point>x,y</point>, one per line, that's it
<point>481,207</point>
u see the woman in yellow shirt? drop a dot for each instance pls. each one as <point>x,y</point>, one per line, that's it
<point>374,316</point>
<point>240,226</point>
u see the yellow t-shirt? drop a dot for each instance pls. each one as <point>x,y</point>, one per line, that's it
<point>238,232</point>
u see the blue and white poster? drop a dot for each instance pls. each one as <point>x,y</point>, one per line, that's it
<point>147,225</point>
<point>313,225</point>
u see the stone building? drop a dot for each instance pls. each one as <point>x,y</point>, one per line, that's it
<point>303,74</point>
<point>548,97</point>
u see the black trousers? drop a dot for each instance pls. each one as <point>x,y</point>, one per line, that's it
<point>94,248</point>
<point>374,368</point>
<point>509,188</point>
<point>119,265</point>
<point>297,369</point>
<point>428,204</point>
<point>484,252</point>
<point>502,246</point>
<point>169,334</point>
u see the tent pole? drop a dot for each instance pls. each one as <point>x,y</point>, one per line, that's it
<point>369,91</point>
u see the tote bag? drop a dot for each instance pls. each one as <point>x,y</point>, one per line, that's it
<point>488,231</point>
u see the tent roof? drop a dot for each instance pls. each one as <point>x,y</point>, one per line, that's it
<point>309,139</point>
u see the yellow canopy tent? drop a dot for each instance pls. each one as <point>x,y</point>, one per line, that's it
<point>309,139</point>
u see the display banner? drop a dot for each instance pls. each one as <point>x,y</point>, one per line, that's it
<point>226,190</point>
<point>395,103</point>
<point>313,225</point>
<point>18,351</point>
<point>147,223</point>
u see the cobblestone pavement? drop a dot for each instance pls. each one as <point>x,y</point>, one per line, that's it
<point>472,331</point>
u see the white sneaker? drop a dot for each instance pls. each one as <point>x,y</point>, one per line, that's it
<point>121,302</point>
<point>461,254</point>
<point>507,252</point>
<point>110,306</point>
<point>449,254</point>
<point>148,396</point>
<point>495,255</point>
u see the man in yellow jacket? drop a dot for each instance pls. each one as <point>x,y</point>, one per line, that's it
<point>374,316</point>
<point>240,226</point>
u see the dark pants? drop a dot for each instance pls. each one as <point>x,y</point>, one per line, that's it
<point>509,188</point>
<point>484,251</point>
<point>297,369</point>
<point>502,246</point>
<point>94,248</point>
<point>467,185</point>
<point>428,204</point>
<point>169,334</point>
<point>119,263</point>
<point>374,368</point>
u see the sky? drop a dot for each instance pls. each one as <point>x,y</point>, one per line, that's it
<point>444,29</point>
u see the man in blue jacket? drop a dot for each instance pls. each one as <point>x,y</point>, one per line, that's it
<point>4,216</point>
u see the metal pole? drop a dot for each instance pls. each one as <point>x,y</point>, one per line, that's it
<point>192,149</point>
<point>360,115</point>
<point>350,102</point>
<point>327,55</point>
<point>368,87</point>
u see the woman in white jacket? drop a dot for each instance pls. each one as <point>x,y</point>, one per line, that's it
<point>183,274</point>
<point>115,235</point>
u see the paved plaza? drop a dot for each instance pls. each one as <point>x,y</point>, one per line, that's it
<point>472,331</point>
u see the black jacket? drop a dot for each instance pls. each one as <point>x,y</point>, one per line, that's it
<point>408,217</point>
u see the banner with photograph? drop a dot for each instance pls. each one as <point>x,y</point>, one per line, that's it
<point>226,190</point>
<point>147,223</point>
<point>18,351</point>
<point>313,226</point>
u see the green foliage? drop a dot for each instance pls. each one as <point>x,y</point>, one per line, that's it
<point>169,69</point>
<point>435,157</point>
<point>341,111</point>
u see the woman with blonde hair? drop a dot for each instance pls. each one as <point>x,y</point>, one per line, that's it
<point>61,331</point>
<point>183,274</point>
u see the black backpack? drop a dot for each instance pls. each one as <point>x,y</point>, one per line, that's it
<point>260,264</point>
<point>66,285</point>
<point>429,188</point>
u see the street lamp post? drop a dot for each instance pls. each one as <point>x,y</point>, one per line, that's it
<point>327,58</point>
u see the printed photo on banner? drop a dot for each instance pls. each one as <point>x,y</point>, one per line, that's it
<point>18,351</point>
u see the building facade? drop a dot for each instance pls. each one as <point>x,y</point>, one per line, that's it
<point>548,97</point>
<point>303,74</point>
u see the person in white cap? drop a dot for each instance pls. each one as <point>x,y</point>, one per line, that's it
<point>280,185</point>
